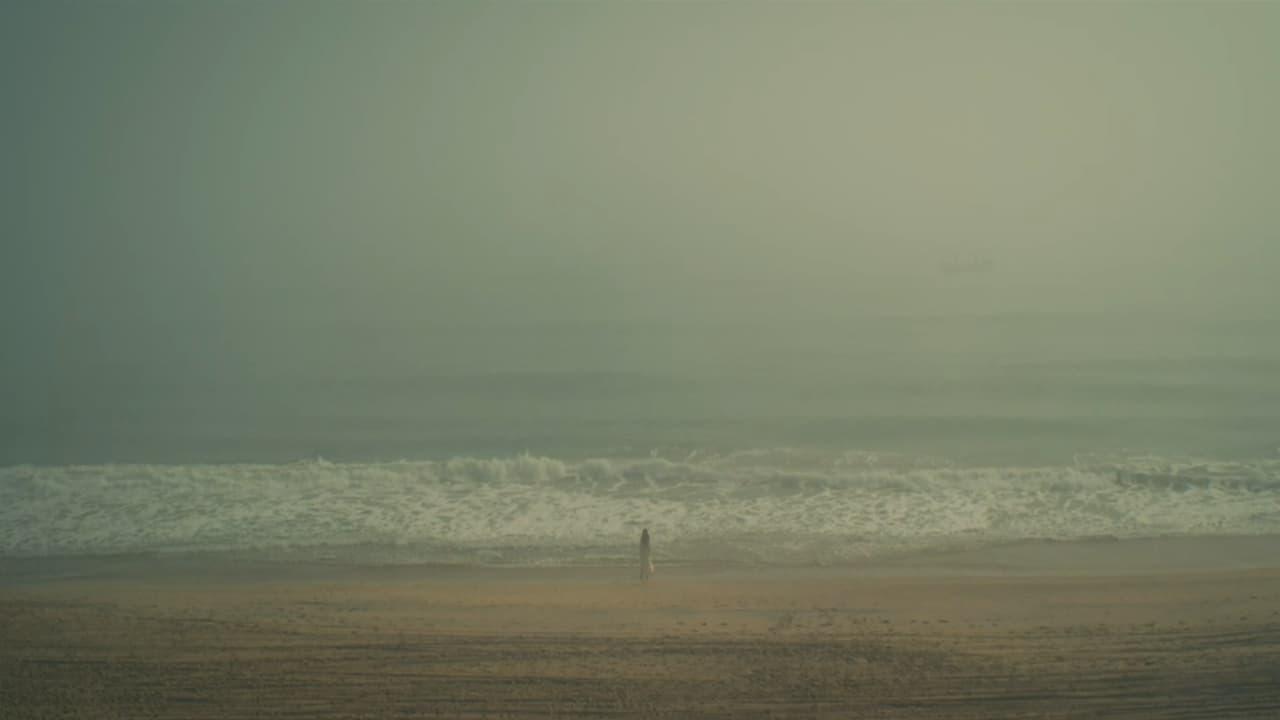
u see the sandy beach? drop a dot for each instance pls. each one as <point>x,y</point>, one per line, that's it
<point>1098,629</point>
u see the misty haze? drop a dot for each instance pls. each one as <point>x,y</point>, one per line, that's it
<point>867,315</point>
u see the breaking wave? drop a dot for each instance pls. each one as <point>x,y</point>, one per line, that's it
<point>762,506</point>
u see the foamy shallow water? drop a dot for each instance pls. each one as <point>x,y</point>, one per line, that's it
<point>763,506</point>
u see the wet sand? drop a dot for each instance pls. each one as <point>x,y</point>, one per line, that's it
<point>1027,631</point>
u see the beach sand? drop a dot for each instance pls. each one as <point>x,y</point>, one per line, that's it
<point>1142,629</point>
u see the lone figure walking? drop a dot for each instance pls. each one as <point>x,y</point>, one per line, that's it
<point>646,556</point>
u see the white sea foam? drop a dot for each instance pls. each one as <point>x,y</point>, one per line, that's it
<point>775,506</point>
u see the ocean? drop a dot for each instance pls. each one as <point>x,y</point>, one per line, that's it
<point>782,506</point>
<point>900,438</point>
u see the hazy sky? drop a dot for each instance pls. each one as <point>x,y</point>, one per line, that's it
<point>238,189</point>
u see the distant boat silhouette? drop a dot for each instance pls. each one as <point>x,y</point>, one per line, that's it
<point>966,265</point>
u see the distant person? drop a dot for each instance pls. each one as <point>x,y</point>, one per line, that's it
<point>646,557</point>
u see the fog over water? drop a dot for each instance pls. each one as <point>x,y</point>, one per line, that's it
<point>960,235</point>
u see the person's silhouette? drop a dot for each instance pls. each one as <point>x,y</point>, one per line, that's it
<point>646,556</point>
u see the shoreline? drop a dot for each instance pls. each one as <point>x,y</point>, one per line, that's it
<point>1029,558</point>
